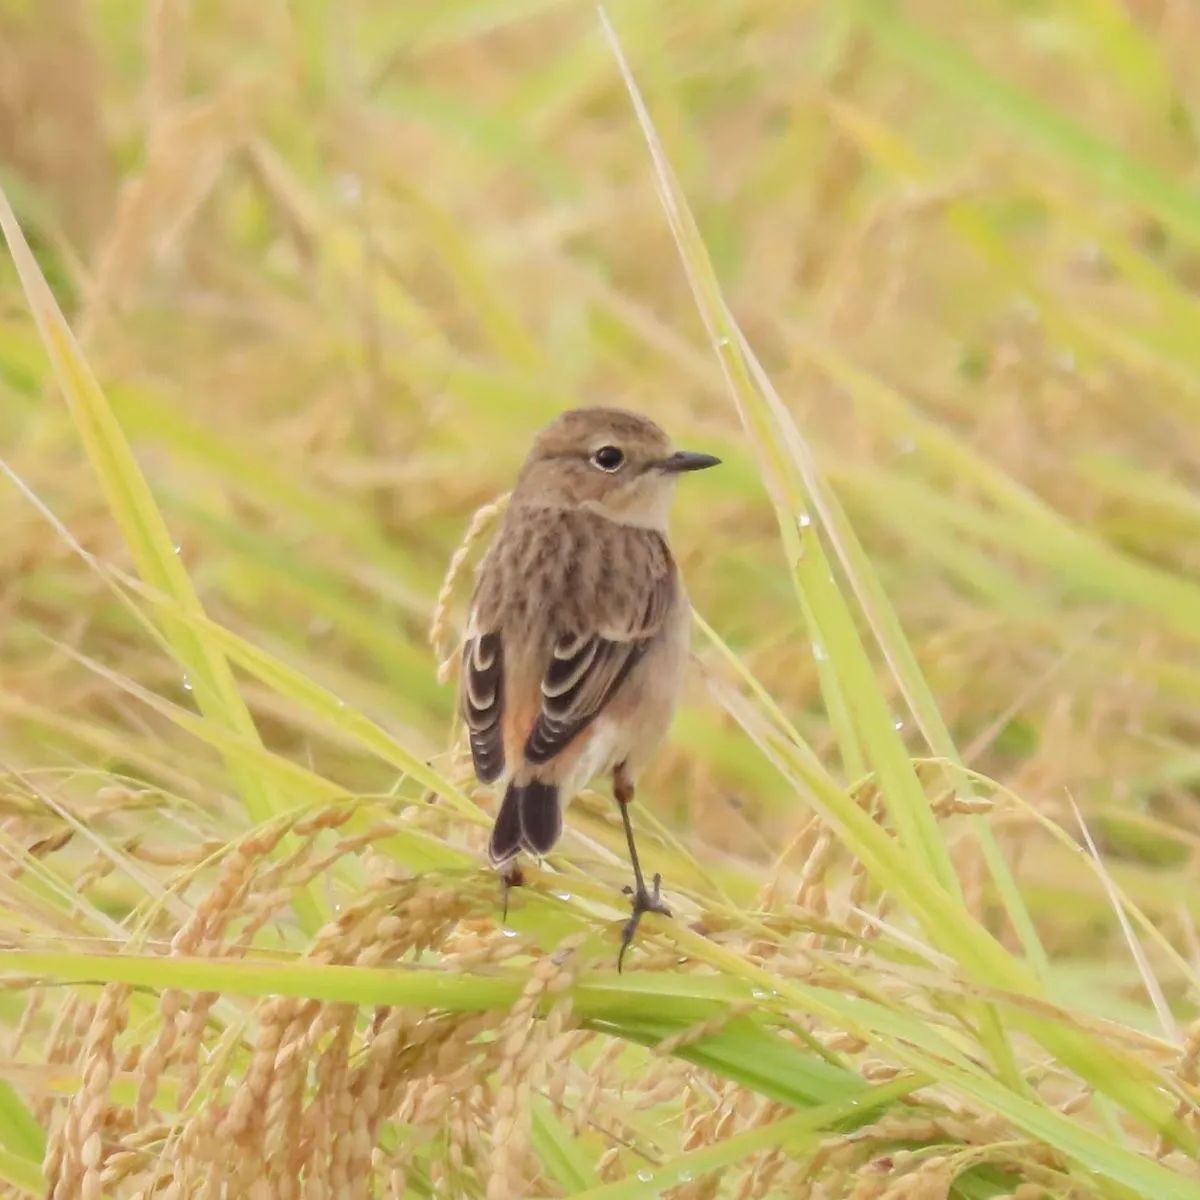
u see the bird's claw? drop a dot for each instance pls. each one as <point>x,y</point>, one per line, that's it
<point>513,877</point>
<point>643,902</point>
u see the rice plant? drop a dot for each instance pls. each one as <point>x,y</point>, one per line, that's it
<point>287,290</point>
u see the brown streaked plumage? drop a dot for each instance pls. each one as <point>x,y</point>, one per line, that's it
<point>578,632</point>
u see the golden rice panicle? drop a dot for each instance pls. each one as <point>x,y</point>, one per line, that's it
<point>440,636</point>
<point>946,576</point>
<point>75,1156</point>
<point>526,1044</point>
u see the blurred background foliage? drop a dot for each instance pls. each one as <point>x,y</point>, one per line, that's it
<point>334,264</point>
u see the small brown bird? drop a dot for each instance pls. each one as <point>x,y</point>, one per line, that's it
<point>578,632</point>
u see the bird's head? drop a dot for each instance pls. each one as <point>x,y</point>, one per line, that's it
<point>609,461</point>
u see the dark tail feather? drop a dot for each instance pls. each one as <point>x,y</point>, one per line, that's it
<point>506,833</point>
<point>529,819</point>
<point>541,817</point>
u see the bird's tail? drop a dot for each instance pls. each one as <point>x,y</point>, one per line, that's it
<point>529,819</point>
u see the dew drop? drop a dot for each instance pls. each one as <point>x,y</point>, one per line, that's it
<point>508,932</point>
<point>760,994</point>
<point>686,1177</point>
<point>645,1176</point>
<point>187,684</point>
<point>804,520</point>
<point>897,724</point>
<point>562,895</point>
<point>178,548</point>
<point>349,187</point>
<point>819,652</point>
<point>721,341</point>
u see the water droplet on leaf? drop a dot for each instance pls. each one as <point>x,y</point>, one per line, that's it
<point>349,187</point>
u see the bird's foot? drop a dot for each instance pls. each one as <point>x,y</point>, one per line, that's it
<point>511,877</point>
<point>643,902</point>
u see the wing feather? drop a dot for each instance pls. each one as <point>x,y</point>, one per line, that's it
<point>601,592</point>
<point>483,703</point>
<point>587,668</point>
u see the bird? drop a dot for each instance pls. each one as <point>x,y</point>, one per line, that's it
<point>577,635</point>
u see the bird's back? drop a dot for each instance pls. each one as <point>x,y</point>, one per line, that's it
<point>553,578</point>
<point>555,571</point>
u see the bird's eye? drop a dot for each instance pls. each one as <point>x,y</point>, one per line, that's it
<point>608,458</point>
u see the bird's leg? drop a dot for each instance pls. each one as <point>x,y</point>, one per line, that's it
<point>644,901</point>
<point>511,876</point>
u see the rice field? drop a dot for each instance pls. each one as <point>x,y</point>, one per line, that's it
<point>288,289</point>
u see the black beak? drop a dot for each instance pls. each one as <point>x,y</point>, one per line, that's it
<point>688,460</point>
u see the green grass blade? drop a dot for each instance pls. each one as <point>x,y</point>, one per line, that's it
<point>795,1133</point>
<point>19,1131</point>
<point>1031,527</point>
<point>980,956</point>
<point>293,685</point>
<point>678,1003</point>
<point>133,507</point>
<point>1099,162</point>
<point>560,1151</point>
<point>915,823</point>
<point>889,635</point>
<point>22,1173</point>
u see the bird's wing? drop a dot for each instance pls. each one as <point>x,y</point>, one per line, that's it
<point>588,666</point>
<point>483,702</point>
<point>606,620</point>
